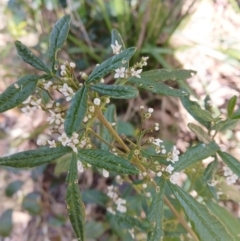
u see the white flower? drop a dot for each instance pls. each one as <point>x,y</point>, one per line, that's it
<point>16,86</point>
<point>157,141</point>
<point>63,67</point>
<point>64,139</point>
<point>227,171</point>
<point>174,177</point>
<point>107,100</point>
<point>80,166</point>
<point>97,101</point>
<point>72,65</point>
<point>91,109</point>
<point>74,148</point>
<point>102,80</point>
<point>136,73</point>
<point>47,85</point>
<point>105,173</point>
<point>173,156</point>
<point>52,144</point>
<point>119,73</point>
<point>57,118</point>
<point>36,103</point>
<point>111,193</point>
<point>144,185</point>
<point>42,140</point>
<point>63,72</point>
<point>231,179</point>
<point>28,110</point>
<point>150,110</point>
<point>169,168</point>
<point>110,210</point>
<point>67,91</point>
<point>120,205</point>
<point>116,48</point>
<point>159,174</point>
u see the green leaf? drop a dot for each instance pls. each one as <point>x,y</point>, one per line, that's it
<point>203,114</point>
<point>225,125</point>
<point>204,224</point>
<point>161,75</point>
<point>188,104</point>
<point>16,93</point>
<point>155,215</point>
<point>76,112</point>
<point>231,162</point>
<point>236,115</point>
<point>130,222</point>
<point>231,224</point>
<point>31,203</point>
<point>93,196</point>
<point>110,64</point>
<point>195,154</point>
<point>125,128</point>
<point>75,206</point>
<point>57,38</point>
<point>34,158</point>
<point>116,91</point>
<point>110,115</point>
<point>6,223</point>
<point>231,104</point>
<point>115,36</point>
<point>200,133</point>
<point>30,58</point>
<point>210,170</point>
<point>155,87</point>
<point>106,160</point>
<point>13,187</point>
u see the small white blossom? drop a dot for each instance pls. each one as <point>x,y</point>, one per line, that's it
<point>63,67</point>
<point>110,210</point>
<point>64,139</point>
<point>47,85</point>
<point>67,91</point>
<point>105,173</point>
<point>91,109</point>
<point>52,144</point>
<point>80,166</point>
<point>27,101</point>
<point>85,119</point>
<point>42,140</point>
<point>157,142</point>
<point>173,156</point>
<point>159,174</point>
<point>120,205</point>
<point>119,73</point>
<point>57,118</point>
<point>111,193</point>
<point>232,179</point>
<point>63,72</point>
<point>150,110</point>
<point>28,110</point>
<point>16,86</point>
<point>136,73</point>
<point>107,100</point>
<point>174,177</point>
<point>227,171</point>
<point>102,80</point>
<point>144,185</point>
<point>72,65</point>
<point>169,168</point>
<point>116,48</point>
<point>97,101</point>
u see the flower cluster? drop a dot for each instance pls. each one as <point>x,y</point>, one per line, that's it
<point>119,202</point>
<point>31,104</point>
<point>231,177</point>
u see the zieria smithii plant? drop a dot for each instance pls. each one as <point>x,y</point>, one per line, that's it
<point>85,130</point>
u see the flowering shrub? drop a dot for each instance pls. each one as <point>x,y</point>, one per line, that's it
<point>147,165</point>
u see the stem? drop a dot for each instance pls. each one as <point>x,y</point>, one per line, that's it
<point>101,117</point>
<point>180,218</point>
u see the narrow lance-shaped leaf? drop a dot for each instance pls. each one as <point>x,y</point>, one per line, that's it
<point>30,58</point>
<point>160,75</point>
<point>231,162</point>
<point>156,87</point>
<point>111,64</point>
<point>210,170</point>
<point>230,223</point>
<point>231,104</point>
<point>116,36</point>
<point>204,114</point>
<point>155,215</point>
<point>204,224</point>
<point>116,91</point>
<point>131,222</point>
<point>236,115</point>
<point>188,104</point>
<point>16,93</point>
<point>34,158</point>
<point>106,160</point>
<point>195,154</point>
<point>57,38</point>
<point>110,115</point>
<point>200,133</point>
<point>76,112</point>
<point>75,206</point>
